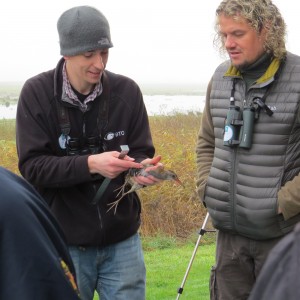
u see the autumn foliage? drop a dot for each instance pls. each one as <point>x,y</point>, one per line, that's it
<point>167,208</point>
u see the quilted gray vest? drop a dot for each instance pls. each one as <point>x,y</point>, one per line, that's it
<point>241,191</point>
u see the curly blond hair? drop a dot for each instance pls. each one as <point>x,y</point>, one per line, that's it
<point>259,14</point>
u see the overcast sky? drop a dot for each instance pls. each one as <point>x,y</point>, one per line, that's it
<point>154,41</point>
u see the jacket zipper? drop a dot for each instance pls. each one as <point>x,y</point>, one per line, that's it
<point>233,188</point>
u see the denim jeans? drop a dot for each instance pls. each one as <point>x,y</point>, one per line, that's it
<point>116,272</point>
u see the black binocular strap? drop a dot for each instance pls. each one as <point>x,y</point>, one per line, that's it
<point>102,121</point>
<point>63,118</point>
<point>102,118</point>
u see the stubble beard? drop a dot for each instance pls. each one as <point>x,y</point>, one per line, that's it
<point>241,66</point>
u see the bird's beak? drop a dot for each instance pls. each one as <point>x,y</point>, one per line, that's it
<point>178,182</point>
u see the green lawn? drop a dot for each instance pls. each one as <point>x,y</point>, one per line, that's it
<point>166,269</point>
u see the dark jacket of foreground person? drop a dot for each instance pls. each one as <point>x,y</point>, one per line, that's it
<point>34,259</point>
<point>280,277</point>
<point>65,181</point>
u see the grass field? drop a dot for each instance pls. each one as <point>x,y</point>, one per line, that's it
<point>166,269</point>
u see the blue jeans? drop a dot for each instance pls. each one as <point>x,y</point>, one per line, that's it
<point>116,272</point>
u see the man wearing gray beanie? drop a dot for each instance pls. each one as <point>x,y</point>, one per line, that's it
<point>83,29</point>
<point>72,122</point>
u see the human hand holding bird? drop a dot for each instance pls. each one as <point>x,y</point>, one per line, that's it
<point>152,173</point>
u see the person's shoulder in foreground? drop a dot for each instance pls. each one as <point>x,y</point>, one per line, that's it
<point>34,261</point>
<point>279,278</point>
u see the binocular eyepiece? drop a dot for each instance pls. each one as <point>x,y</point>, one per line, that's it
<point>238,130</point>
<point>89,145</point>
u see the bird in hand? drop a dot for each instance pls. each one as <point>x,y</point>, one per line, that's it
<point>131,185</point>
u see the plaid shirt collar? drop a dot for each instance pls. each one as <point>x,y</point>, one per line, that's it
<point>70,96</point>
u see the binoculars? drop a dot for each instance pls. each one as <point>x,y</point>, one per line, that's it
<point>238,129</point>
<point>90,145</point>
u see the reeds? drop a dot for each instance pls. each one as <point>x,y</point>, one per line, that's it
<point>167,209</point>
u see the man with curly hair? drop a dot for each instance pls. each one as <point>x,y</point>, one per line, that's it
<point>248,148</point>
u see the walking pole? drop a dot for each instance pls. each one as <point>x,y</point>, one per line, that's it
<point>201,233</point>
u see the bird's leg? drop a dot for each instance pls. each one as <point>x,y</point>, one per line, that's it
<point>121,189</point>
<point>116,203</point>
<point>122,192</point>
<point>159,173</point>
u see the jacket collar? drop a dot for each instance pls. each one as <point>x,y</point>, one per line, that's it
<point>266,78</point>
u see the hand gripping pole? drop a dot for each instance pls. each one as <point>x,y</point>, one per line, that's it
<point>201,233</point>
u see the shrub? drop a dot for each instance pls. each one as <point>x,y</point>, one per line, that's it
<point>167,209</point>
<point>173,210</point>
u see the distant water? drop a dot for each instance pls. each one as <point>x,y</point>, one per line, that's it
<point>8,112</point>
<point>168,105</point>
<point>156,105</point>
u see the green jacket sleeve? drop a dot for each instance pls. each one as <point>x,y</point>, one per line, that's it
<point>288,198</point>
<point>205,146</point>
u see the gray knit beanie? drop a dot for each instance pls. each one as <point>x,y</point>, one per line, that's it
<point>82,29</point>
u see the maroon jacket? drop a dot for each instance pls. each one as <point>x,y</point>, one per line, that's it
<point>64,181</point>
